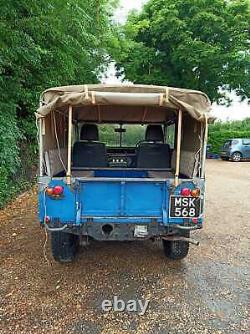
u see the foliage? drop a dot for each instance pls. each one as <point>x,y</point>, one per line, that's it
<point>220,132</point>
<point>133,135</point>
<point>42,44</point>
<point>202,44</point>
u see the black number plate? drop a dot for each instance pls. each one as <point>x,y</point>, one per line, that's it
<point>184,207</point>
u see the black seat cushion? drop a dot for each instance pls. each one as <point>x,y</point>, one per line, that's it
<point>89,154</point>
<point>153,153</point>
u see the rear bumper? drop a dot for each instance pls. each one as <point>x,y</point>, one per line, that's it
<point>225,155</point>
<point>121,231</point>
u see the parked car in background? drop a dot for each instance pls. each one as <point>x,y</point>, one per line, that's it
<point>211,155</point>
<point>236,149</point>
<point>208,148</point>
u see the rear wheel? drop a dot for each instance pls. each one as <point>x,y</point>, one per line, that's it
<point>175,250</point>
<point>64,246</point>
<point>236,156</point>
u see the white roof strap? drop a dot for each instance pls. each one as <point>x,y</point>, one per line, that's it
<point>164,98</point>
<point>86,92</point>
<point>167,95</point>
<point>93,97</point>
<point>161,100</point>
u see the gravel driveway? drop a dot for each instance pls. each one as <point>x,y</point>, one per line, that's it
<point>205,293</point>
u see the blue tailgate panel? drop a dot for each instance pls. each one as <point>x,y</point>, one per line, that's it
<point>100,198</point>
<point>122,199</point>
<point>145,199</point>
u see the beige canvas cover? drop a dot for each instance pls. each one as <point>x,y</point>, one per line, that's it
<point>132,103</point>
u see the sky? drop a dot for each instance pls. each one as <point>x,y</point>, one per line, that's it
<point>237,111</point>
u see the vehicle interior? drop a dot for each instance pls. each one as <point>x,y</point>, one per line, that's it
<point>127,150</point>
<point>148,151</point>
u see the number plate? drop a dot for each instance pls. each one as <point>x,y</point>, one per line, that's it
<point>184,207</point>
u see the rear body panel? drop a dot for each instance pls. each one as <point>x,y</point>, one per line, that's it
<point>89,203</point>
<point>125,199</point>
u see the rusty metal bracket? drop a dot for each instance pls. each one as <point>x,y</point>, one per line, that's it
<point>180,238</point>
<point>187,228</point>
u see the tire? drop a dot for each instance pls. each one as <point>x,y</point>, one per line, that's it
<point>236,156</point>
<point>175,250</point>
<point>64,246</point>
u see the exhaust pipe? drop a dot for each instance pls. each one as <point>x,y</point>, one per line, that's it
<point>107,229</point>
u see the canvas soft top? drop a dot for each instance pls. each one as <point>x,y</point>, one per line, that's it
<point>125,103</point>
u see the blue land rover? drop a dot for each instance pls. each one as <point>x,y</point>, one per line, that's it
<point>129,188</point>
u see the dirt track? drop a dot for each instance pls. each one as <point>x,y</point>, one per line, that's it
<point>205,293</point>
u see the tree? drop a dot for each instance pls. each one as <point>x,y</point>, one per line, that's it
<point>43,43</point>
<point>198,44</point>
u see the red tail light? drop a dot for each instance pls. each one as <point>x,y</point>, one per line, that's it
<point>185,192</point>
<point>55,191</point>
<point>195,220</point>
<point>47,219</point>
<point>58,190</point>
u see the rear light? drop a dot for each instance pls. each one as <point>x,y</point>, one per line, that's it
<point>47,219</point>
<point>195,192</point>
<point>195,220</point>
<point>55,191</point>
<point>190,192</point>
<point>50,191</point>
<point>58,190</point>
<point>185,192</point>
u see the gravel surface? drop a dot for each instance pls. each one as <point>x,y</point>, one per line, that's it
<point>205,293</point>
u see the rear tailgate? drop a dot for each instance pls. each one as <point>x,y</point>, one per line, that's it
<point>121,200</point>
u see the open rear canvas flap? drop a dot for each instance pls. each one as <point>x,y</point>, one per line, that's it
<point>125,103</point>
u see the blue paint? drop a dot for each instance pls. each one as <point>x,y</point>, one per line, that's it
<point>121,173</point>
<point>122,207</point>
<point>63,208</point>
<point>124,220</point>
<point>120,200</point>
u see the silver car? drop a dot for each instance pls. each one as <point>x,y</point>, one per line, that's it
<point>236,149</point>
